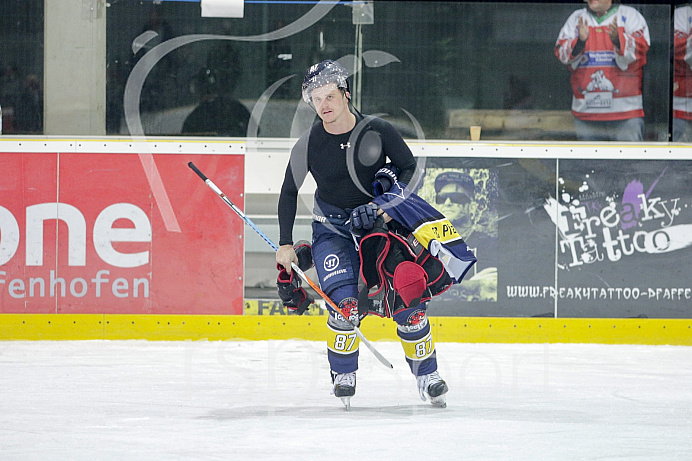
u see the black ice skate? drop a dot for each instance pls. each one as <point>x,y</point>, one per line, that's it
<point>344,387</point>
<point>434,387</point>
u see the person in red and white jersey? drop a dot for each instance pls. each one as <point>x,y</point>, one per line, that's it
<point>682,83</point>
<point>604,47</point>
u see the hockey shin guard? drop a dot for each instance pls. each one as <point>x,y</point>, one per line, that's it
<point>416,338</point>
<point>342,341</point>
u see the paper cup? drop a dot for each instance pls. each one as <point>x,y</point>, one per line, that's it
<point>475,133</point>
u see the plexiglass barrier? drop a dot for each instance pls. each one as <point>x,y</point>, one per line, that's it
<point>159,68</point>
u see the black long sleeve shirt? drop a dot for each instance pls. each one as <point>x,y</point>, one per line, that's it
<point>342,165</point>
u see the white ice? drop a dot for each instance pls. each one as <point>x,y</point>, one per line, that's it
<point>270,400</point>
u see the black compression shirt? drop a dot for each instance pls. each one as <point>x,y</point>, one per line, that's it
<point>342,165</point>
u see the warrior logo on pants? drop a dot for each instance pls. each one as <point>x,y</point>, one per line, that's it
<point>331,262</point>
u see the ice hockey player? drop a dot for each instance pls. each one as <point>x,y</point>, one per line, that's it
<point>344,151</point>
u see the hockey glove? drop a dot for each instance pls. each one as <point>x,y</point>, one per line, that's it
<point>291,293</point>
<point>293,296</point>
<point>385,179</point>
<point>363,219</point>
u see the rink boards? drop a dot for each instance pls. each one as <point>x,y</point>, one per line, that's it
<point>118,239</point>
<point>313,328</point>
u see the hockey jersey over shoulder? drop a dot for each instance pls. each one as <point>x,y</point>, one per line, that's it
<point>606,81</point>
<point>430,227</point>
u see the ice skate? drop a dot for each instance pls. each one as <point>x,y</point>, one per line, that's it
<point>434,387</point>
<point>344,387</point>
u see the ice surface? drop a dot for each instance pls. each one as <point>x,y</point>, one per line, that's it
<point>270,400</point>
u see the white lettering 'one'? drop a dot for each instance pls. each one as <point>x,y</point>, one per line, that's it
<point>104,234</point>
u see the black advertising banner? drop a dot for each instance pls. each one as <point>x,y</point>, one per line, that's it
<point>625,230</point>
<point>568,238</point>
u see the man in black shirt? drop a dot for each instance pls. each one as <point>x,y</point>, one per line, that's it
<point>343,151</point>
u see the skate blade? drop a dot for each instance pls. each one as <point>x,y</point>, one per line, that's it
<point>347,402</point>
<point>440,401</point>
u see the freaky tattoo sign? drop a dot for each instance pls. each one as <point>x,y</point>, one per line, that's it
<point>601,227</point>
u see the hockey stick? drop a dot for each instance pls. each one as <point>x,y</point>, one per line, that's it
<point>294,266</point>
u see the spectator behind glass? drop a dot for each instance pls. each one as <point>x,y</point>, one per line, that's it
<point>682,83</point>
<point>218,113</point>
<point>604,47</point>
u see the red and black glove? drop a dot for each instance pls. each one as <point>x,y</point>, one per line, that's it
<point>293,296</point>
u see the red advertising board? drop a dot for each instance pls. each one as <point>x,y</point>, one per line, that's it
<point>120,234</point>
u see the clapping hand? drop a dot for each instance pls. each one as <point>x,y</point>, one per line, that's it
<point>583,29</point>
<point>613,32</point>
